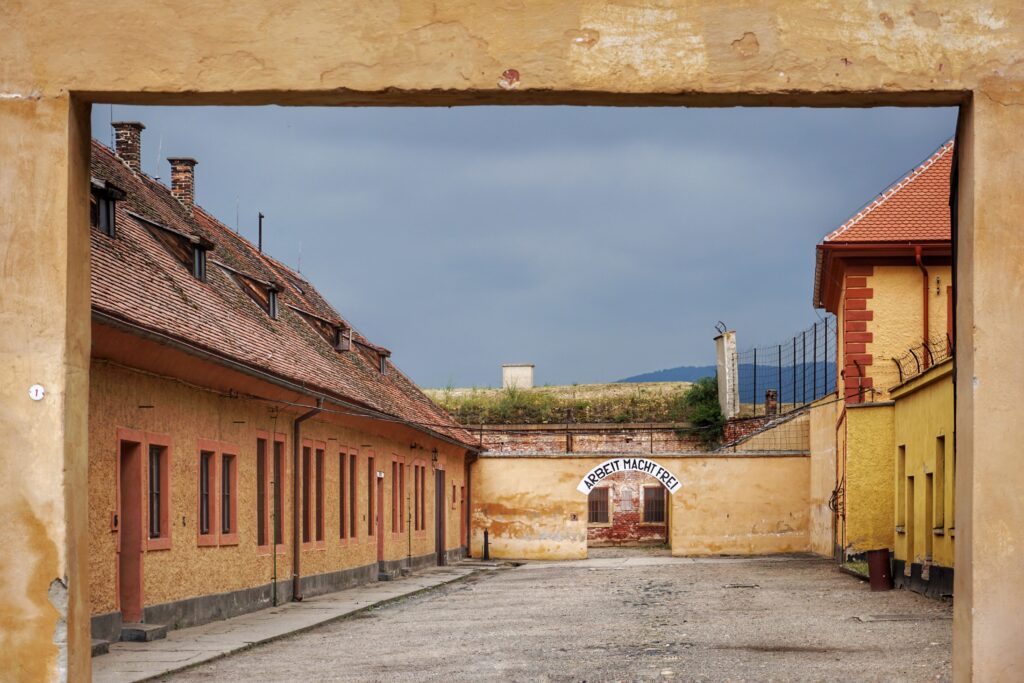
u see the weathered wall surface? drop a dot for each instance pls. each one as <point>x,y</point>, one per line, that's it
<point>531,507</point>
<point>728,504</point>
<point>741,506</point>
<point>124,398</point>
<point>923,414</point>
<point>869,487</point>
<point>554,439</point>
<point>626,524</point>
<point>413,52</point>
<point>898,321</point>
<point>822,438</point>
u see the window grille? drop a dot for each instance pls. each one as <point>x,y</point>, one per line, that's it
<point>597,506</point>
<point>654,504</point>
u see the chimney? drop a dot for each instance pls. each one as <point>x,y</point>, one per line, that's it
<point>128,143</point>
<point>771,402</point>
<point>727,369</point>
<point>517,375</point>
<point>183,180</point>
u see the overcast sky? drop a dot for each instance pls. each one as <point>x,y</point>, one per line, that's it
<point>597,243</point>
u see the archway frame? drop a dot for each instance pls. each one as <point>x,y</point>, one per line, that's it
<point>62,56</point>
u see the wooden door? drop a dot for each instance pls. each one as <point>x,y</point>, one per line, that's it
<point>379,526</point>
<point>439,517</point>
<point>130,530</point>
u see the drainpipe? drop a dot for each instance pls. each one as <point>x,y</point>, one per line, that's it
<point>296,490</point>
<point>924,300</point>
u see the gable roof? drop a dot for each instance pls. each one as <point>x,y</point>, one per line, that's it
<point>136,280</point>
<point>913,209</point>
<point>912,213</point>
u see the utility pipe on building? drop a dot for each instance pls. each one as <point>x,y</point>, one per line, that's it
<point>296,445</point>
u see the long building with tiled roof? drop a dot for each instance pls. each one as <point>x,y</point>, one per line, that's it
<point>139,277</point>
<point>247,446</point>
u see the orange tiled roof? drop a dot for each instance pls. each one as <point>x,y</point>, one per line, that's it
<point>914,209</point>
<point>137,280</point>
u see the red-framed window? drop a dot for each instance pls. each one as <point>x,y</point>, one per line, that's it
<point>158,491</point>
<point>353,494</point>
<point>397,494</point>
<point>419,496</point>
<point>342,496</point>
<point>216,493</point>
<point>228,498</point>
<point>206,496</point>
<point>371,477</point>
<point>312,482</point>
<point>320,510</point>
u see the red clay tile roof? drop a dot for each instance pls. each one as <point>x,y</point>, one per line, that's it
<point>914,209</point>
<point>137,280</point>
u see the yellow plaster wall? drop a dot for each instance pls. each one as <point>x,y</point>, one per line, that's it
<point>727,505</point>
<point>897,325</point>
<point>188,414</point>
<point>822,438</point>
<point>869,486</point>
<point>924,411</point>
<point>531,507</point>
<point>786,52</point>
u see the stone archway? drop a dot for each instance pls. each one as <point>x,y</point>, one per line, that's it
<point>414,53</point>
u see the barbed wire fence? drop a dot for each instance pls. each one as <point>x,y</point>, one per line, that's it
<point>919,358</point>
<point>781,377</point>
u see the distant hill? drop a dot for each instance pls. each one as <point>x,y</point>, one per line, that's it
<point>684,373</point>
<point>767,377</point>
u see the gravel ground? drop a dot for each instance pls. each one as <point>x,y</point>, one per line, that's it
<point>625,618</point>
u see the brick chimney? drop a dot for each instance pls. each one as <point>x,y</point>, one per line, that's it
<point>183,179</point>
<point>128,143</point>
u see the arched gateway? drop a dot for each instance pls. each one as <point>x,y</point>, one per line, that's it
<point>626,464</point>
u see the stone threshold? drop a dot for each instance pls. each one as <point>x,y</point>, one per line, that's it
<point>188,647</point>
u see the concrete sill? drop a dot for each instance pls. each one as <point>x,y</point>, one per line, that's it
<point>901,530</point>
<point>939,531</point>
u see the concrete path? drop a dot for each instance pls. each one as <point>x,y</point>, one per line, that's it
<point>186,647</point>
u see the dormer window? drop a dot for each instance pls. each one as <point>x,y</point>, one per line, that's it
<point>342,338</point>
<point>383,364</point>
<point>265,294</point>
<point>199,262</point>
<point>272,303</point>
<point>190,250</point>
<point>103,206</point>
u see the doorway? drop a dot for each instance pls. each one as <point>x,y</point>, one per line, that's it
<point>128,522</point>
<point>379,521</point>
<point>439,518</point>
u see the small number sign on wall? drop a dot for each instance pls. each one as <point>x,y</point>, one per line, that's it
<point>36,392</point>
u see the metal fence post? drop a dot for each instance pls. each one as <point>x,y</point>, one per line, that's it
<point>755,381</point>
<point>814,367</point>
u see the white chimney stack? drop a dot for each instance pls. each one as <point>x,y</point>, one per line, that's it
<point>518,375</point>
<point>727,365</point>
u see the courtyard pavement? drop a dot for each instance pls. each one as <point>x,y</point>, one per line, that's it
<point>189,646</point>
<point>620,616</point>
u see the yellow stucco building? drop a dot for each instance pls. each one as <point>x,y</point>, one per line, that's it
<point>887,275</point>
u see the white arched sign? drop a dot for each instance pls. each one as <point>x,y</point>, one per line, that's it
<point>623,464</point>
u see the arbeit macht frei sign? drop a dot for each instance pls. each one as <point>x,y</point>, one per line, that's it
<point>608,467</point>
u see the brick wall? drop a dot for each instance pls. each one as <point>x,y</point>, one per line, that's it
<point>625,512</point>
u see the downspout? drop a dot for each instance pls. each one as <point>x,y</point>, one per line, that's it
<point>296,490</point>
<point>924,301</point>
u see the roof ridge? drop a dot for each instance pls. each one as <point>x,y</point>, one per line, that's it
<point>892,189</point>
